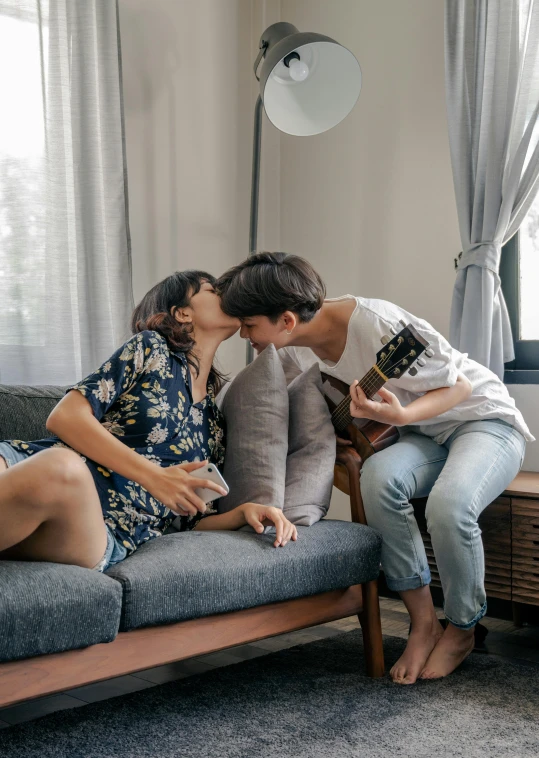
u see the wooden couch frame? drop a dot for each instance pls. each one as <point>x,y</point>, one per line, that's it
<point>158,645</point>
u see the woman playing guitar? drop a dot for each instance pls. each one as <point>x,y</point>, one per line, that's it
<point>461,438</point>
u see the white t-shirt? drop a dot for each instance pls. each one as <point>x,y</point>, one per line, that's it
<point>370,321</point>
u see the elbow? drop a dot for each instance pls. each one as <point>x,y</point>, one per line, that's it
<point>53,419</point>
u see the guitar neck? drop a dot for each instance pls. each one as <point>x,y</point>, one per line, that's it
<point>370,384</point>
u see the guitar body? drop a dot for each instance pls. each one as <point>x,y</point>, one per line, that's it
<point>367,437</point>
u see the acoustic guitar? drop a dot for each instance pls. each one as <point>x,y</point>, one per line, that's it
<point>399,354</point>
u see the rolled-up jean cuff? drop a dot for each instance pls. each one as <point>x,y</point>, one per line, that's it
<point>409,582</point>
<point>471,623</point>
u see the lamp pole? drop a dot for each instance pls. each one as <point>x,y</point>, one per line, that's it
<point>255,192</point>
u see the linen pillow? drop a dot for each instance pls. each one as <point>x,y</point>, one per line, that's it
<point>311,451</point>
<point>255,408</point>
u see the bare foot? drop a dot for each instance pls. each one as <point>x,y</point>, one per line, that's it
<point>454,647</point>
<point>421,642</point>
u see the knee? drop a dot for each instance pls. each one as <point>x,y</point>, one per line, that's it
<point>377,479</point>
<point>450,513</point>
<point>63,468</point>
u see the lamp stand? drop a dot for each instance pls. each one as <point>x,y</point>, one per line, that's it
<point>255,192</point>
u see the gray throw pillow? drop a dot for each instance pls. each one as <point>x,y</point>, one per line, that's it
<point>311,451</point>
<point>255,408</point>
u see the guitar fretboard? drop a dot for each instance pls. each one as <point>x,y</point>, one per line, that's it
<point>370,384</point>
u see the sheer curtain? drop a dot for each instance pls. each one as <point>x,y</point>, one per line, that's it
<point>492,87</point>
<point>65,269</point>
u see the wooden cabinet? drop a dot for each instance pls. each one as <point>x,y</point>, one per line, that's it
<point>510,532</point>
<point>525,550</point>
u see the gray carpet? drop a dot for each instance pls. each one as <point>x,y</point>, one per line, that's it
<point>310,701</point>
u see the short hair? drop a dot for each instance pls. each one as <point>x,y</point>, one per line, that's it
<point>268,284</point>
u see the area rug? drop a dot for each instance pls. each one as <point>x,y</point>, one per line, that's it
<point>310,701</point>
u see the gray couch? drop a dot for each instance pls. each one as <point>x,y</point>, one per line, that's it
<point>50,608</point>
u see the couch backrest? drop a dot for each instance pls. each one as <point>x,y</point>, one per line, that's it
<point>24,410</point>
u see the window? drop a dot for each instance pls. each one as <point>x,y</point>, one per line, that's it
<point>519,271</point>
<point>22,155</point>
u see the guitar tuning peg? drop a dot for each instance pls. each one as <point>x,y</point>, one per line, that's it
<point>385,339</point>
<point>392,330</point>
<point>412,371</point>
<point>429,352</point>
<point>421,362</point>
<point>402,323</point>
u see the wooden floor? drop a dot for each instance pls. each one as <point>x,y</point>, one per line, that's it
<point>503,639</point>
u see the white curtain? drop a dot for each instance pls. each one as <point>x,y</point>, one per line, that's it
<point>65,270</point>
<point>492,87</point>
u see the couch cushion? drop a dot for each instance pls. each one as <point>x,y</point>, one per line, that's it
<point>311,451</point>
<point>49,607</point>
<point>24,410</point>
<point>192,574</point>
<point>256,411</point>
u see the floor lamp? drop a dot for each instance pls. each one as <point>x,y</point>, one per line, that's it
<point>308,84</point>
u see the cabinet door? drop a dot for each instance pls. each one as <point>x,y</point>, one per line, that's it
<point>525,550</point>
<point>495,524</point>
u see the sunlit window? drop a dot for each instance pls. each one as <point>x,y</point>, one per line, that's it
<point>529,275</point>
<point>23,57</point>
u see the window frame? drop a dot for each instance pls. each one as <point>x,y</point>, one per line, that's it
<point>524,369</point>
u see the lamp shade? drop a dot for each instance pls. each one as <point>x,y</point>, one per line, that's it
<point>308,82</point>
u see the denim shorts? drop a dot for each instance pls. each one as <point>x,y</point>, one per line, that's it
<point>114,552</point>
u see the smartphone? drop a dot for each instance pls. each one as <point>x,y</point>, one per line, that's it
<point>211,472</point>
<point>206,472</point>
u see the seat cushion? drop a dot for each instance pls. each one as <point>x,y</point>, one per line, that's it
<point>193,574</point>
<point>49,607</point>
<point>311,451</point>
<point>24,410</point>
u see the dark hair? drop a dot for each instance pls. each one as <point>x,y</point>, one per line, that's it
<point>156,312</point>
<point>268,284</point>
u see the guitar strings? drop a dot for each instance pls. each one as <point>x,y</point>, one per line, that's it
<point>342,411</point>
<point>367,385</point>
<point>369,382</point>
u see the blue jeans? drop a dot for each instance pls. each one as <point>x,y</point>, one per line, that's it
<point>460,478</point>
<point>114,552</point>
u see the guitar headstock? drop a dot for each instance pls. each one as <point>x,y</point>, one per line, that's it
<point>400,352</point>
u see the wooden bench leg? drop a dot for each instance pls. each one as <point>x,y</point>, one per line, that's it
<point>371,627</point>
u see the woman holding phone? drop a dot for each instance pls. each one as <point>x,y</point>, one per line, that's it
<point>127,439</point>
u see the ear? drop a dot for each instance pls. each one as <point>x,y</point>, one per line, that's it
<point>183,315</point>
<point>290,321</point>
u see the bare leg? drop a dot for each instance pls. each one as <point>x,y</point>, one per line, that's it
<point>425,633</point>
<point>454,647</point>
<point>50,511</point>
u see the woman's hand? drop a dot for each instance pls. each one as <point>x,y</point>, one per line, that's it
<point>175,487</point>
<point>259,516</point>
<point>389,411</point>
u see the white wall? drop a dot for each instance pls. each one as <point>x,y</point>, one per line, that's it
<point>187,70</point>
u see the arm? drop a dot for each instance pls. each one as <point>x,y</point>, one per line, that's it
<point>73,421</point>
<point>390,411</point>
<point>436,402</point>
<point>256,516</point>
<point>77,421</point>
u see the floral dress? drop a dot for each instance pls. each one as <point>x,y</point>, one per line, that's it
<point>142,395</point>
